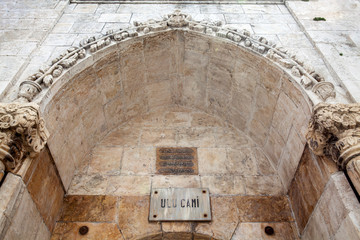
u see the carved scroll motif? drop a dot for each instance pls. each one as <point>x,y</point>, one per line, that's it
<point>306,75</point>
<point>22,134</point>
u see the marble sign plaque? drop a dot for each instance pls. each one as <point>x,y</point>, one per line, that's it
<point>180,204</point>
<point>176,161</point>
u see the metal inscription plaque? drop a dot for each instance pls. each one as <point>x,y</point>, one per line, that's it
<point>176,161</point>
<point>180,204</point>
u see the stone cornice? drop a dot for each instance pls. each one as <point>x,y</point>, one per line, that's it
<point>334,130</point>
<point>22,134</point>
<point>306,76</point>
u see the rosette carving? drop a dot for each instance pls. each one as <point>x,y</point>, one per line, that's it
<point>22,134</point>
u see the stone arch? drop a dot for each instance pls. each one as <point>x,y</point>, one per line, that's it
<point>92,101</point>
<point>194,64</point>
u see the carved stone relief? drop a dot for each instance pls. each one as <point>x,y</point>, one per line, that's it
<point>22,134</point>
<point>334,130</point>
<point>306,75</point>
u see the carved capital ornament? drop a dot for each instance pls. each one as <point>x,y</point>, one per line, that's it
<point>22,134</point>
<point>334,130</point>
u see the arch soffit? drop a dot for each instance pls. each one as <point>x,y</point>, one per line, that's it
<point>43,85</point>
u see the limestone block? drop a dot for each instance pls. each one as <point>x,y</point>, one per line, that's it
<point>270,77</point>
<point>114,112</point>
<point>242,162</point>
<point>177,236</point>
<point>219,75</point>
<point>176,227</point>
<point>249,231</point>
<point>126,136</point>
<point>159,94</point>
<point>263,209</point>
<point>105,159</point>
<point>246,76</point>
<point>194,43</point>
<point>236,119</point>
<point>284,114</point>
<point>200,119</point>
<point>159,42</point>
<point>46,190</point>
<point>92,184</point>
<point>195,65</point>
<point>64,161</point>
<point>264,185</point>
<point>70,230</point>
<point>309,182</point>
<point>43,233</point>
<point>177,119</point>
<point>194,92</point>
<point>158,137</point>
<point>133,218</point>
<point>224,184</point>
<point>316,228</point>
<point>212,161</point>
<point>337,201</point>
<point>110,77</point>
<point>243,103</point>
<point>162,181</point>
<point>217,102</point>
<point>89,209</point>
<point>128,185</point>
<point>274,147</point>
<point>224,219</point>
<point>26,221</point>
<point>160,65</point>
<point>196,137</point>
<point>138,161</point>
<point>258,132</point>
<point>349,228</point>
<point>265,106</point>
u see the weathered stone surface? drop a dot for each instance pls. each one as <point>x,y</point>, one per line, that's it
<point>310,179</point>
<point>26,221</point>
<point>263,209</point>
<point>224,220</point>
<point>89,209</point>
<point>46,189</point>
<point>133,218</point>
<point>105,159</point>
<point>175,227</point>
<point>128,185</point>
<point>248,231</point>
<point>70,230</point>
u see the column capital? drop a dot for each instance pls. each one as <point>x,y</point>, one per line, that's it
<point>334,130</point>
<point>22,134</point>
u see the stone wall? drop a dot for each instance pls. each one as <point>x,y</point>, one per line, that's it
<point>337,214</point>
<point>127,218</point>
<point>323,203</point>
<point>31,202</point>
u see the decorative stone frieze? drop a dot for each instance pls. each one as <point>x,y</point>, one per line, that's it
<point>22,134</point>
<point>305,74</point>
<point>334,130</point>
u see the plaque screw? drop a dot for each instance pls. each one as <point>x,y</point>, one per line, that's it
<point>156,192</point>
<point>204,191</point>
<point>269,230</point>
<point>205,215</point>
<point>154,216</point>
<point>83,230</point>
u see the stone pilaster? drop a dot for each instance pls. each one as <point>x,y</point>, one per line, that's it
<point>334,130</point>
<point>22,134</point>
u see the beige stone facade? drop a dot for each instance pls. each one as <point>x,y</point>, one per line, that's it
<point>254,88</point>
